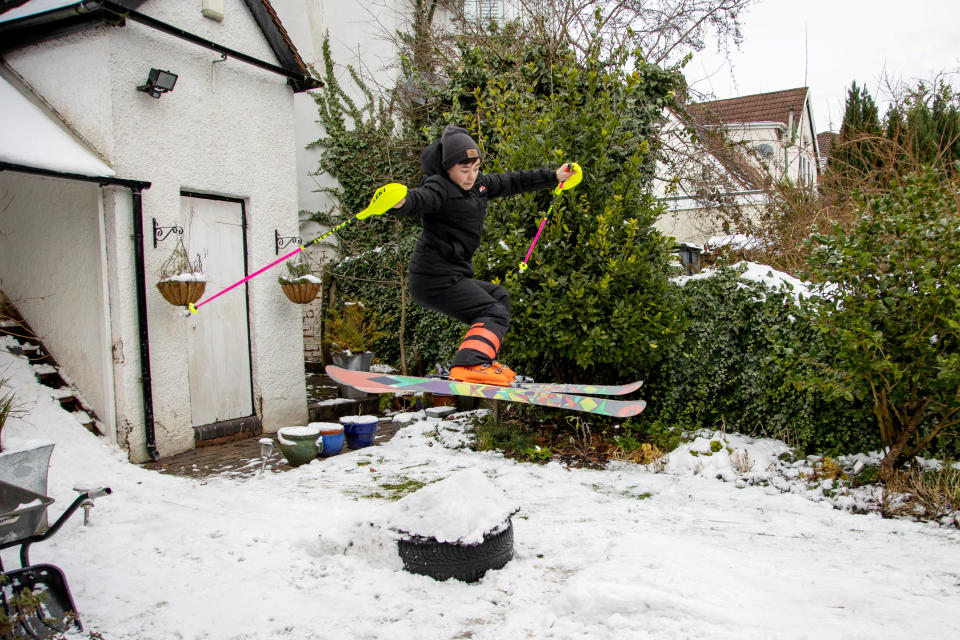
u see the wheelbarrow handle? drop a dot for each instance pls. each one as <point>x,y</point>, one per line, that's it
<point>76,504</point>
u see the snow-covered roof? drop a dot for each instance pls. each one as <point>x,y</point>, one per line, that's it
<point>29,137</point>
<point>39,20</point>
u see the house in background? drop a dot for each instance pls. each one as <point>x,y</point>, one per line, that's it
<point>743,146</point>
<point>825,142</point>
<point>101,172</point>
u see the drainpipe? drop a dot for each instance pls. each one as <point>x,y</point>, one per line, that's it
<point>145,382</point>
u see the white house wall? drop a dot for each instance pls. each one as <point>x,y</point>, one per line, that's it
<point>52,268</point>
<point>226,129</point>
<point>360,33</point>
<point>686,218</point>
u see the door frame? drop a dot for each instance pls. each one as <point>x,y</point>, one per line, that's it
<point>246,271</point>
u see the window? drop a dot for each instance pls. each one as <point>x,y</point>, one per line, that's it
<point>483,10</point>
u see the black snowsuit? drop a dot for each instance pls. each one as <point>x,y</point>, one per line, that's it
<point>441,269</point>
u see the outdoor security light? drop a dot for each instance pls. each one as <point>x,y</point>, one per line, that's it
<point>158,83</point>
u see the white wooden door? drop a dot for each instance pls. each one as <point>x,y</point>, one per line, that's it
<point>218,346</point>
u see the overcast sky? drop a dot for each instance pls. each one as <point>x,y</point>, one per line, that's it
<point>827,44</point>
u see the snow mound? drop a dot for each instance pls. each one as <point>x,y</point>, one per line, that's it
<point>460,509</point>
<point>725,456</point>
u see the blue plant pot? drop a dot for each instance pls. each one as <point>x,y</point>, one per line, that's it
<point>331,434</point>
<point>359,430</point>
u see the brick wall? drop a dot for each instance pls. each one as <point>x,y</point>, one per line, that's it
<point>312,315</point>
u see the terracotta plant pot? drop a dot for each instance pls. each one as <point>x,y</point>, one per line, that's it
<point>301,292</point>
<point>180,293</point>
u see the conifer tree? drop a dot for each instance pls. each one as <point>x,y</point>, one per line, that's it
<point>855,155</point>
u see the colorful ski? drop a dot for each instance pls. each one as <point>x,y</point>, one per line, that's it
<point>581,389</point>
<point>373,382</point>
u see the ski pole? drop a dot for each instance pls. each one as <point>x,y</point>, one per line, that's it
<point>569,183</point>
<point>383,200</point>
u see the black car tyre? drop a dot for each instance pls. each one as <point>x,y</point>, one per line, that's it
<point>466,562</point>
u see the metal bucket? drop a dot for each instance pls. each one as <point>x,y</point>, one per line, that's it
<point>353,362</point>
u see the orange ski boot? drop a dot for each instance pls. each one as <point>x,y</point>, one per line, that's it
<point>507,371</point>
<point>481,374</point>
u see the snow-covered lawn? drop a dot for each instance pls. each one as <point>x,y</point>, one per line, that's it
<point>618,553</point>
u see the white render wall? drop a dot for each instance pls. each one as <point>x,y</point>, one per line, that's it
<point>44,221</point>
<point>226,129</point>
<point>359,36</point>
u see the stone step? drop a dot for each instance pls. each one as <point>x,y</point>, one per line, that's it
<point>335,408</point>
<point>48,375</point>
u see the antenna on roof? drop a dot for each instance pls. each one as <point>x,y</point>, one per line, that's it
<point>806,54</point>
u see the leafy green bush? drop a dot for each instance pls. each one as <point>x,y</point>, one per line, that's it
<point>890,319</point>
<point>732,367</point>
<point>508,435</point>
<point>594,303</point>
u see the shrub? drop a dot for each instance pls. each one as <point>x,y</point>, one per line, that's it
<point>889,321</point>
<point>509,436</point>
<point>732,368</point>
<point>355,329</point>
<point>594,304</point>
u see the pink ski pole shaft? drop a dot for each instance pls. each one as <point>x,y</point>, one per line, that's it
<point>543,223</point>
<point>383,199</point>
<point>569,183</point>
<point>193,308</point>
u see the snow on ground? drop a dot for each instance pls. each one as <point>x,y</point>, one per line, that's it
<point>619,553</point>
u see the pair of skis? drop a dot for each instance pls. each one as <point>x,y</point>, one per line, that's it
<point>576,397</point>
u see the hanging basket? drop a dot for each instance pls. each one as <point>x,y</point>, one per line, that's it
<point>181,293</point>
<point>301,292</point>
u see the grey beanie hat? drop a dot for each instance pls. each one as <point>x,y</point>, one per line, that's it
<point>457,146</point>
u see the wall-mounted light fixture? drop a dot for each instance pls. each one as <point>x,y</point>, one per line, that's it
<point>158,83</point>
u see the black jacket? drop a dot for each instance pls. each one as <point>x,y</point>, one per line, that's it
<point>453,218</point>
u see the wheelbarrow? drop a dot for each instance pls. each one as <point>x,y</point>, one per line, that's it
<point>36,599</point>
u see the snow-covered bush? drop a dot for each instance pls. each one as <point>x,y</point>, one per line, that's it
<point>731,367</point>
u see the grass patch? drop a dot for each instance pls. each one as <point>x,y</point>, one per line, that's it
<point>509,436</point>
<point>404,486</point>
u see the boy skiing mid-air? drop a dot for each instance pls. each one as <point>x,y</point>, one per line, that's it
<point>452,204</point>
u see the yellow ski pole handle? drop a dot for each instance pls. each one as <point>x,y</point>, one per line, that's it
<point>573,180</point>
<point>383,200</point>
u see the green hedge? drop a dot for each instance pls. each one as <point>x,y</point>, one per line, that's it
<point>733,368</point>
